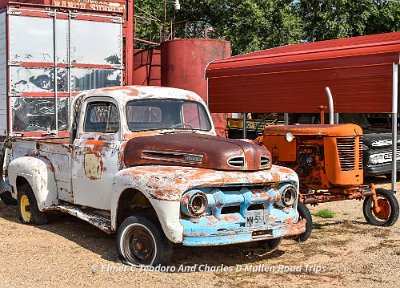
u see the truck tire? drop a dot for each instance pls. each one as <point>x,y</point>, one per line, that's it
<point>7,198</point>
<point>28,210</point>
<point>390,209</point>
<point>304,213</point>
<point>141,241</point>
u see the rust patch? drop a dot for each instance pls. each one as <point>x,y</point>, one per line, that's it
<point>195,150</point>
<point>93,165</point>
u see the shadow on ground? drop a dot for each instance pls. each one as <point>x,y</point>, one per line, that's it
<point>92,239</point>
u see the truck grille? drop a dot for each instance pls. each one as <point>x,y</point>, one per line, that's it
<point>265,161</point>
<point>237,162</point>
<point>346,149</point>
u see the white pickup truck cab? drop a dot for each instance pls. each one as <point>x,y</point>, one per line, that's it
<point>144,163</point>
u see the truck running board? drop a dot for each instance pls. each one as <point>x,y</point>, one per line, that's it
<point>101,222</point>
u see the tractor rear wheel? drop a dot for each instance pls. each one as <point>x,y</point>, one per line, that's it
<point>387,212</point>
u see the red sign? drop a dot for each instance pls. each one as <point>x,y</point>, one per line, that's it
<point>91,5</point>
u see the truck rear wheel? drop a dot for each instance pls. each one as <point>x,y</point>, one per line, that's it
<point>141,241</point>
<point>28,210</point>
<point>304,213</point>
<point>388,209</point>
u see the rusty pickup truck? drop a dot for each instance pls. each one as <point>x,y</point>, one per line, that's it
<point>145,163</point>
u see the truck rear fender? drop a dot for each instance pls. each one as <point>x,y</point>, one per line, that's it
<point>39,173</point>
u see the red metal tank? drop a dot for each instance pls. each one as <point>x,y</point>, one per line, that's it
<point>147,67</point>
<point>183,65</point>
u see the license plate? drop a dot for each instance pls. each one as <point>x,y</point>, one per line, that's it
<point>255,218</point>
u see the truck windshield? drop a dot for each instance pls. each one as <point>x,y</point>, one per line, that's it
<point>166,114</point>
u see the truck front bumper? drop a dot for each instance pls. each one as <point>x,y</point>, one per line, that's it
<point>225,234</point>
<point>379,168</point>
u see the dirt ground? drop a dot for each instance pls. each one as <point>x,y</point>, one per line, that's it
<point>343,251</point>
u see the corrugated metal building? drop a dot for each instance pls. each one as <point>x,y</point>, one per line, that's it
<point>293,78</point>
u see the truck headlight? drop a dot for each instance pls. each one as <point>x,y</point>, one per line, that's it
<point>196,205</point>
<point>373,159</point>
<point>378,159</point>
<point>289,196</point>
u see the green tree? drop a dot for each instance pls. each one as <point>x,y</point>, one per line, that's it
<point>386,17</point>
<point>328,19</point>
<point>253,25</point>
<point>249,24</point>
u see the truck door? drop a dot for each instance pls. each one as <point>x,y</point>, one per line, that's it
<point>96,153</point>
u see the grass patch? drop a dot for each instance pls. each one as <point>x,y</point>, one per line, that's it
<point>324,213</point>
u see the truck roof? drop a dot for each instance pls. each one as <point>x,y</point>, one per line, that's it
<point>128,93</point>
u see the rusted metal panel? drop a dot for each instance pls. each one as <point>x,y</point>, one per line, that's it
<point>227,232</point>
<point>168,183</point>
<point>51,56</point>
<point>196,150</point>
<point>101,222</point>
<point>316,130</point>
<point>38,114</point>
<point>184,62</point>
<point>293,78</point>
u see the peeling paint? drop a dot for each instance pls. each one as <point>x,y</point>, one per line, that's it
<point>97,168</point>
<point>93,166</point>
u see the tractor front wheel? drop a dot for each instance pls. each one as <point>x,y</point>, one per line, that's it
<point>385,213</point>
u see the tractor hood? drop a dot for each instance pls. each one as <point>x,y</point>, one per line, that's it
<point>196,150</point>
<point>337,130</point>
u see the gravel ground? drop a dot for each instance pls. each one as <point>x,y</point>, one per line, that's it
<point>343,251</point>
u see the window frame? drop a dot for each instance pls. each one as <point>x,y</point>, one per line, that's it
<point>205,111</point>
<point>97,102</point>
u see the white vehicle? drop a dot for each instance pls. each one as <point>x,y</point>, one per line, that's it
<point>144,163</point>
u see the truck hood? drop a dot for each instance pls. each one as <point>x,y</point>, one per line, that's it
<point>197,150</point>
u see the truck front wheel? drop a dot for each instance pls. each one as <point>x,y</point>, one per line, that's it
<point>141,241</point>
<point>304,213</point>
<point>387,212</point>
<point>28,210</point>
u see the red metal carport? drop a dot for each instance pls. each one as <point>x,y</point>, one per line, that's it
<point>362,73</point>
<point>293,78</point>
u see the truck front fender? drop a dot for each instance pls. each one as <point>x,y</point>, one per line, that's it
<point>167,210</point>
<point>39,173</point>
<point>164,186</point>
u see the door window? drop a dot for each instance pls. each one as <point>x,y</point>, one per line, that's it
<point>101,117</point>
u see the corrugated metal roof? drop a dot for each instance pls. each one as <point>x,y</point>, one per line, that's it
<point>292,78</point>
